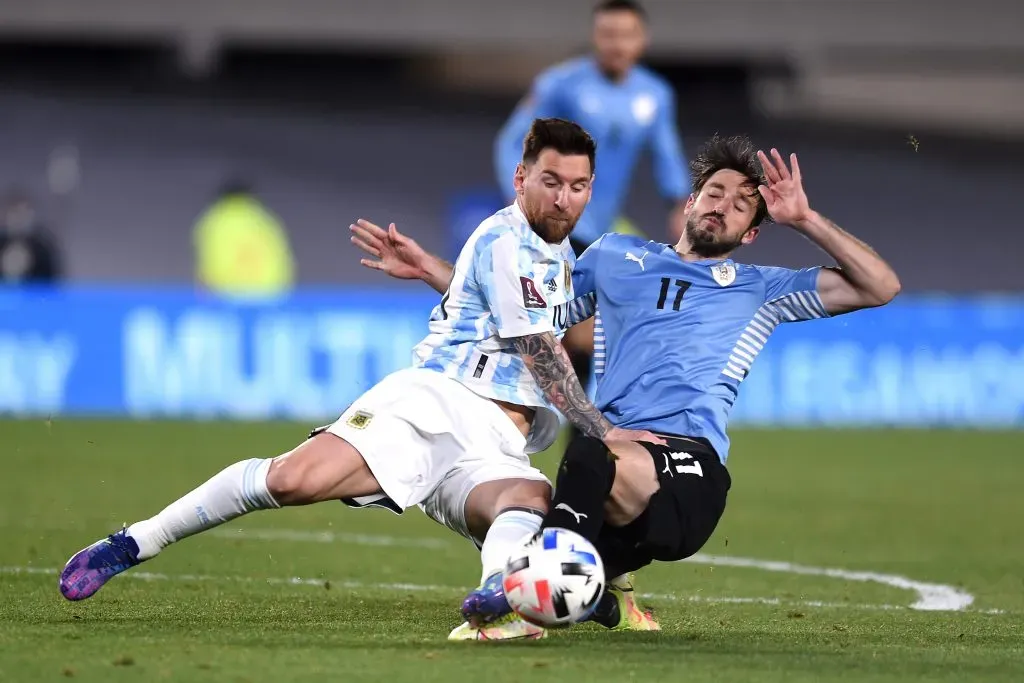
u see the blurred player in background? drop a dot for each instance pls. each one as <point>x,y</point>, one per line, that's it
<point>626,108</point>
<point>685,324</point>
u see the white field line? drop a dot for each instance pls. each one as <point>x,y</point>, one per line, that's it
<point>930,596</point>
<point>328,537</point>
<point>416,588</point>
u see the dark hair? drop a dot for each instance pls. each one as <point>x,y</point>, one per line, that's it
<point>565,137</point>
<point>621,6</point>
<point>735,153</point>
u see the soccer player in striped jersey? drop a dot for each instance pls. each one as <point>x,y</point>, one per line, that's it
<point>452,433</point>
<point>683,326</point>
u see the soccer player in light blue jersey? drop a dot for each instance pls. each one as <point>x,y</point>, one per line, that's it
<point>627,108</point>
<point>684,324</point>
<point>452,433</point>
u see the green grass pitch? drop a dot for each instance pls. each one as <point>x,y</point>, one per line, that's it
<point>328,593</point>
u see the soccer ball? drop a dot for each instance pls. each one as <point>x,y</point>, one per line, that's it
<point>555,579</point>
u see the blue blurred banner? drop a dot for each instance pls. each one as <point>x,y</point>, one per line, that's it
<point>177,353</point>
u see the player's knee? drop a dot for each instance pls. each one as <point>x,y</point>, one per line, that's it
<point>527,494</point>
<point>488,500</point>
<point>286,480</point>
<point>635,482</point>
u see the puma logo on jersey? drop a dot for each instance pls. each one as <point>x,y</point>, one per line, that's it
<point>668,466</point>
<point>630,256</point>
<point>577,515</point>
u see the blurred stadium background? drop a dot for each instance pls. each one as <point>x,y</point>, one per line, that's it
<point>121,125</point>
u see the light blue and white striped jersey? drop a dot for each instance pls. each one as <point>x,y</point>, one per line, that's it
<point>507,283</point>
<point>675,339</point>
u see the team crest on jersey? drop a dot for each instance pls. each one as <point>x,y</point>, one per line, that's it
<point>359,420</point>
<point>724,274</point>
<point>531,295</point>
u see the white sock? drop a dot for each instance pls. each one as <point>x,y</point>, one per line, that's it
<point>231,493</point>
<point>507,532</point>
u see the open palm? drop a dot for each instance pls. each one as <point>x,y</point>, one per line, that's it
<point>784,192</point>
<point>397,255</point>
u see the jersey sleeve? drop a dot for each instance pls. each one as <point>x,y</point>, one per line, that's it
<point>584,273</point>
<point>667,151</point>
<point>584,285</point>
<point>581,308</point>
<point>543,101</point>
<point>792,295</point>
<point>505,273</point>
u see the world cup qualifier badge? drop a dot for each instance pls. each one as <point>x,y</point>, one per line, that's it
<point>531,295</point>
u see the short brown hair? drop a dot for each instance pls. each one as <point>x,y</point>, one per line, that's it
<point>565,137</point>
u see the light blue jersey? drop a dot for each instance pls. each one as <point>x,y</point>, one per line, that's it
<point>624,118</point>
<point>675,339</point>
<point>507,283</point>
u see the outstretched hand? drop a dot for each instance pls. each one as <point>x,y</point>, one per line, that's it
<point>397,255</point>
<point>784,192</point>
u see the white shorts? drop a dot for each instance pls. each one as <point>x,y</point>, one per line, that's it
<point>429,441</point>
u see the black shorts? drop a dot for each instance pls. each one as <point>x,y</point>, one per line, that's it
<point>680,517</point>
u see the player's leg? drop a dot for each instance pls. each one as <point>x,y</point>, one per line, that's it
<point>501,513</point>
<point>496,499</point>
<point>387,444</point>
<point>585,479</point>
<point>684,513</point>
<point>670,524</point>
<point>500,516</point>
<point>619,537</point>
<point>325,467</point>
<point>602,494</point>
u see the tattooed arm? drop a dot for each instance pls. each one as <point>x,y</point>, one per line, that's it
<point>552,369</point>
<point>550,366</point>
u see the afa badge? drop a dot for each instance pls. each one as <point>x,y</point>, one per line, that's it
<point>359,419</point>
